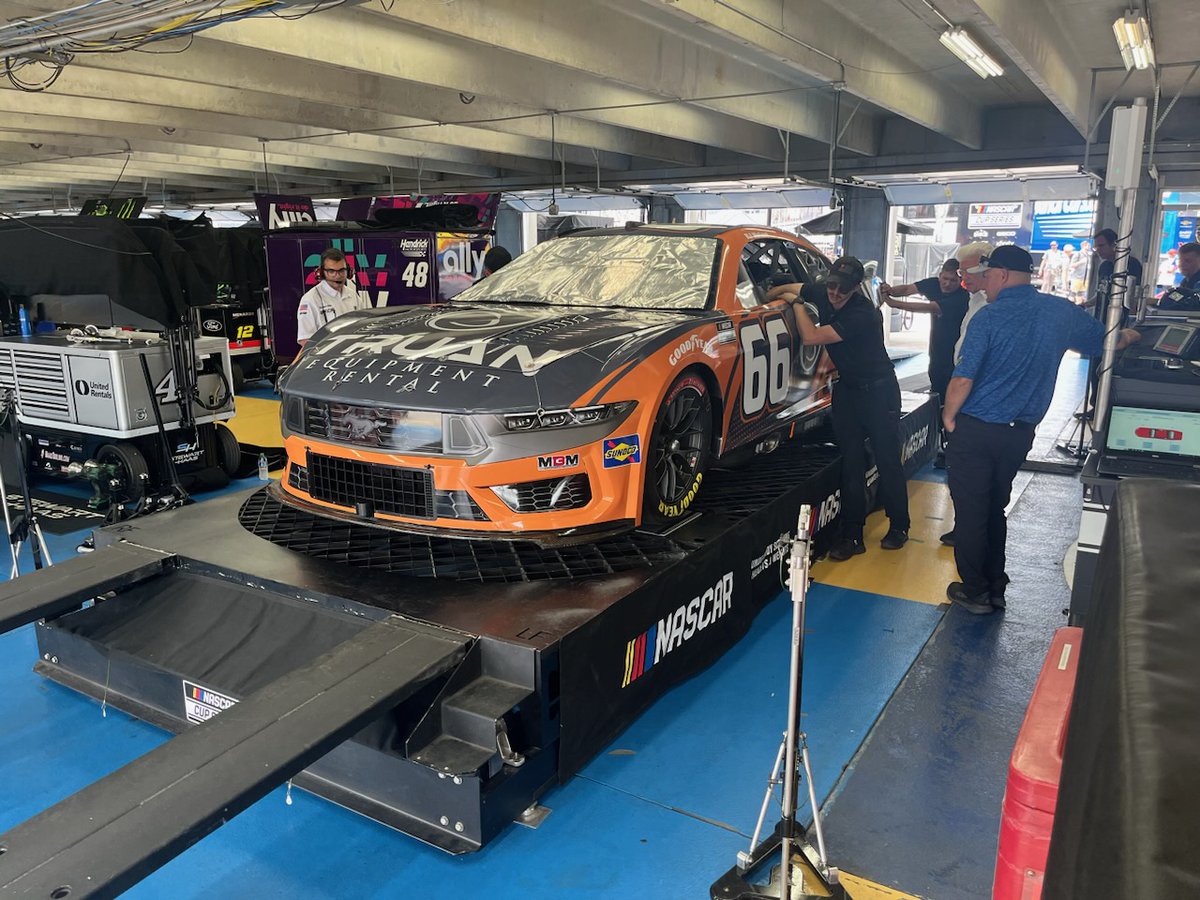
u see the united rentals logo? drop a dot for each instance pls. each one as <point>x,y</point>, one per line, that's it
<point>676,628</point>
<point>559,461</point>
<point>622,451</point>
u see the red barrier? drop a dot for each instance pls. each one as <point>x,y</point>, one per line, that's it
<point>1033,774</point>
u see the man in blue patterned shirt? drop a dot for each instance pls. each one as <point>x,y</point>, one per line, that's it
<point>1001,389</point>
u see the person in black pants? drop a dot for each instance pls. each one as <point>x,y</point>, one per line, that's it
<point>946,300</point>
<point>999,393</point>
<point>866,399</point>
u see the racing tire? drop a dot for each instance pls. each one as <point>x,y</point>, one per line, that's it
<point>229,451</point>
<point>131,466</point>
<point>238,376</point>
<point>678,451</point>
<point>810,354</point>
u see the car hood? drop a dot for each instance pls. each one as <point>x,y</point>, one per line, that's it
<point>479,357</point>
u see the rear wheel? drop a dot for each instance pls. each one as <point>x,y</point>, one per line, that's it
<point>679,448</point>
<point>130,471</point>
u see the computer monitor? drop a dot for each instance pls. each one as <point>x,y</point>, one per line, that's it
<point>1168,434</point>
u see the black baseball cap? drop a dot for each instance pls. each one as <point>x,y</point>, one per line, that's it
<point>1008,256</point>
<point>846,272</point>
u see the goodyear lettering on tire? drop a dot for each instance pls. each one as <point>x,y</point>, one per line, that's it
<point>674,510</point>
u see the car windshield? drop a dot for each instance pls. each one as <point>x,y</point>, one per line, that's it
<point>631,271</point>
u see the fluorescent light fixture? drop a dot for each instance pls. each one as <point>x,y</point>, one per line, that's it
<point>1133,38</point>
<point>962,45</point>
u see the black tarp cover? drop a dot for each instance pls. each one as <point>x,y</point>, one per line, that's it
<point>139,265</point>
<point>1127,824</point>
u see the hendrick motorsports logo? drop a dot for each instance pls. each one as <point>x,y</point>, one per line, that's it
<point>414,248</point>
<point>559,461</point>
<point>622,451</point>
<point>200,703</point>
<point>676,628</point>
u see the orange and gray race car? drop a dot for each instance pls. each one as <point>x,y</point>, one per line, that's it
<point>583,389</point>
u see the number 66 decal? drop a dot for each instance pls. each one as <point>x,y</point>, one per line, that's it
<point>767,364</point>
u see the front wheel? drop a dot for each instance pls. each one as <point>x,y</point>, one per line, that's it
<point>130,474</point>
<point>679,448</point>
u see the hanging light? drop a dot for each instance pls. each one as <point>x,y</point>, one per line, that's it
<point>1132,32</point>
<point>962,45</point>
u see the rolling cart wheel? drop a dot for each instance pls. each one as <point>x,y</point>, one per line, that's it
<point>229,451</point>
<point>131,467</point>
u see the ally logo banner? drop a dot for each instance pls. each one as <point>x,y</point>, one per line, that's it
<point>279,210</point>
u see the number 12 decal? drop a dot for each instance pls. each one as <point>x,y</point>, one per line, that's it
<point>767,364</point>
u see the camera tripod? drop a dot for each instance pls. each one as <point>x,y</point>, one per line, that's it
<point>24,525</point>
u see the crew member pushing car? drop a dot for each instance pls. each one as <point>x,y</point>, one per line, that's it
<point>332,296</point>
<point>866,398</point>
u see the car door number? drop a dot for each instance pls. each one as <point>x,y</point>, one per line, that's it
<point>766,364</point>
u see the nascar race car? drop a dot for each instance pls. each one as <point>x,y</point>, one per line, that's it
<point>584,389</point>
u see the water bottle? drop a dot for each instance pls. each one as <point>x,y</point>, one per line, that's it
<point>264,471</point>
<point>23,316</point>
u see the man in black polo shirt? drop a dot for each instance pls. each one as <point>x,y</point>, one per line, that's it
<point>866,399</point>
<point>1106,249</point>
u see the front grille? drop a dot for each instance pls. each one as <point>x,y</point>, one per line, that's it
<point>298,477</point>
<point>41,384</point>
<point>570,492</point>
<point>392,490</point>
<point>446,504</point>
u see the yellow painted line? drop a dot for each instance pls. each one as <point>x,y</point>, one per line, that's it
<point>861,889</point>
<point>257,422</point>
<point>920,570</point>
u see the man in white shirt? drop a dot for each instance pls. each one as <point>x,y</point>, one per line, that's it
<point>333,295</point>
<point>968,258</point>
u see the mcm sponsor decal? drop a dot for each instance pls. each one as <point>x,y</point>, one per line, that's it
<point>916,441</point>
<point>676,628</point>
<point>200,703</point>
<point>773,554</point>
<point>692,343</point>
<point>558,461</point>
<point>622,451</point>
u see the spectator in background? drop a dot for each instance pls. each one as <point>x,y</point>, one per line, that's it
<point>1062,276</point>
<point>332,296</point>
<point>1106,249</point>
<point>494,260</point>
<point>947,301</point>
<point>1051,263</point>
<point>1189,266</point>
<point>999,393</point>
<point>1079,273</point>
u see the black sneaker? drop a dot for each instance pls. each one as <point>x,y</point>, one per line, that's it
<point>977,606</point>
<point>894,539</point>
<point>948,538</point>
<point>846,548</point>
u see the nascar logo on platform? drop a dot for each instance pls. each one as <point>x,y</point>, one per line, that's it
<point>622,451</point>
<point>676,628</point>
<point>559,461</point>
<point>200,703</point>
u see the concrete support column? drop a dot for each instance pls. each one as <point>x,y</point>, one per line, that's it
<point>508,231</point>
<point>865,225</point>
<point>665,211</point>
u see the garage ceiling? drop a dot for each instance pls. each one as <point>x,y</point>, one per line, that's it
<point>435,95</point>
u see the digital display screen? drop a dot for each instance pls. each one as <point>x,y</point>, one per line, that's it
<point>1174,339</point>
<point>1166,431</point>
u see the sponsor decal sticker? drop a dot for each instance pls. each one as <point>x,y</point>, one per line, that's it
<point>916,441</point>
<point>200,703</point>
<point>773,554</point>
<point>212,325</point>
<point>692,343</point>
<point>99,389</point>
<point>558,461</point>
<point>676,628</point>
<point>622,451</point>
<point>414,248</point>
<point>678,509</point>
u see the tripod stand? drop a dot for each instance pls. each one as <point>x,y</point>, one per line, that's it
<point>24,526</point>
<point>800,865</point>
<point>1077,444</point>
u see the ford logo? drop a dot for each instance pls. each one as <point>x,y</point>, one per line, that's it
<point>212,325</point>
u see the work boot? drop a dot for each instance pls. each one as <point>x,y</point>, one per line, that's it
<point>980,605</point>
<point>846,548</point>
<point>894,539</point>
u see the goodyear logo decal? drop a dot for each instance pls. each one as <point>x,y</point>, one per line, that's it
<point>676,629</point>
<point>622,451</point>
